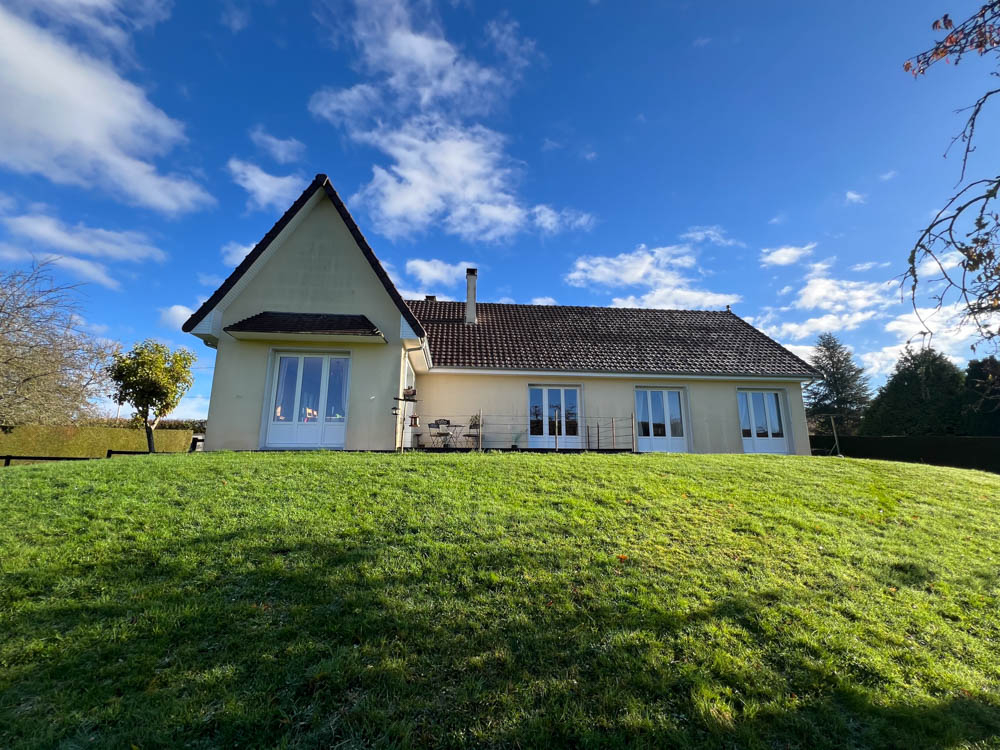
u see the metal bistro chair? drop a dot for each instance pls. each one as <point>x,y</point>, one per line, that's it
<point>440,434</point>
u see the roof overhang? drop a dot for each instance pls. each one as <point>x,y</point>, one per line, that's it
<point>629,375</point>
<point>339,338</point>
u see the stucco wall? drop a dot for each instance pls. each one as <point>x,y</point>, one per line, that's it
<point>712,413</point>
<point>318,268</point>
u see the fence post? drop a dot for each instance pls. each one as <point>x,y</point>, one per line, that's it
<point>635,438</point>
<point>588,437</point>
<point>6,460</point>
<point>614,439</point>
<point>480,430</point>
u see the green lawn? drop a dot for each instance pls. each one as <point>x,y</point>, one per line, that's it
<point>349,600</point>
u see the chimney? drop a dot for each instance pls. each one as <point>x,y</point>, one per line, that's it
<point>470,295</point>
<point>431,298</point>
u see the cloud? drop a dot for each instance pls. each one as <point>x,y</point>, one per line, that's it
<point>233,18</point>
<point>850,197</point>
<point>785,255</point>
<point>713,234</point>
<point>802,351</point>
<point>233,253</point>
<point>543,300</point>
<point>439,166</point>
<point>72,119</point>
<point>209,279</point>
<point>87,270</point>
<point>779,218</point>
<point>434,271</point>
<point>868,266</point>
<point>191,407</point>
<point>786,290</point>
<point>174,316</point>
<point>458,176</point>
<point>886,176</point>
<point>282,150</point>
<point>266,190</point>
<point>550,145</point>
<point>658,270</point>
<point>589,155</point>
<point>701,41</point>
<point>550,221</point>
<point>53,234</point>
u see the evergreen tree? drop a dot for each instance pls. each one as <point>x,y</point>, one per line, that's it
<point>982,385</point>
<point>843,390</point>
<point>925,395</point>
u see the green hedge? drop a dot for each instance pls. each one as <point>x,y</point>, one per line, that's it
<point>94,442</point>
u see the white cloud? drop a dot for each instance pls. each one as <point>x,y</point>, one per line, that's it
<point>701,41</point>
<point>543,300</point>
<point>589,155</point>
<point>233,253</point>
<point>282,150</point>
<point>266,190</point>
<point>714,234</point>
<point>657,269</point>
<point>869,265</point>
<point>87,270</point>
<point>429,272</point>
<point>550,145</point>
<point>174,316</point>
<point>191,407</point>
<point>836,322</point>
<point>53,234</point>
<point>345,106</point>
<point>458,176</point>
<point>550,221</point>
<point>234,18</point>
<point>886,176</point>
<point>441,168</point>
<point>786,289</point>
<point>851,197</point>
<point>802,351</point>
<point>73,119</point>
<point>786,255</point>
<point>209,279</point>
<point>779,218</point>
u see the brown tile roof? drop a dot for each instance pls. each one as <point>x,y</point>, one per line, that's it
<point>320,182</point>
<point>319,323</point>
<point>601,339</point>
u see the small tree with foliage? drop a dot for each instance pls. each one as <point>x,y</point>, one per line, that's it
<point>982,385</point>
<point>153,380</point>
<point>842,391</point>
<point>924,396</point>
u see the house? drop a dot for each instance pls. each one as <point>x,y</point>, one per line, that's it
<point>317,349</point>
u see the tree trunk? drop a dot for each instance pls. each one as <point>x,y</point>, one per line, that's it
<point>149,439</point>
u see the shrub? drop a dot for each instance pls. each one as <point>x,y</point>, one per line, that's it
<point>93,442</point>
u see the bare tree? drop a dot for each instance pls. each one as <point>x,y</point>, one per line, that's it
<point>49,370</point>
<point>961,245</point>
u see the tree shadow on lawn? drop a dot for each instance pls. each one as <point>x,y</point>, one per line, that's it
<point>313,643</point>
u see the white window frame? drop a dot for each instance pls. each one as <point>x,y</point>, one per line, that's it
<point>669,446</point>
<point>782,445</point>
<point>544,440</point>
<point>270,384</point>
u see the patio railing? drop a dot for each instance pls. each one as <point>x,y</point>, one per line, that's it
<point>520,432</point>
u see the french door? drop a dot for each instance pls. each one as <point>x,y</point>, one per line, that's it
<point>309,401</point>
<point>762,422</point>
<point>554,417</point>
<point>659,421</point>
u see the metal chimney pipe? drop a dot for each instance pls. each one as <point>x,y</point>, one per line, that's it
<point>470,295</point>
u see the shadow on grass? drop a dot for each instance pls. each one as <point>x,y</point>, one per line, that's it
<point>229,641</point>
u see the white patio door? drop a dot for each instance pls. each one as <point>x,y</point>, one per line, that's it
<point>554,417</point>
<point>659,421</point>
<point>309,401</point>
<point>762,422</point>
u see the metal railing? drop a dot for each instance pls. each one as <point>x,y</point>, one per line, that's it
<point>554,432</point>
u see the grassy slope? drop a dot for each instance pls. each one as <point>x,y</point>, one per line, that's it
<point>298,600</point>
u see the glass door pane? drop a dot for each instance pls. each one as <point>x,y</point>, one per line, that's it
<point>336,390</point>
<point>572,413</point>
<point>555,411</point>
<point>284,394</point>
<point>759,415</point>
<point>676,420</point>
<point>659,417</point>
<point>774,409</point>
<point>312,377</point>
<point>536,411</point>
<point>642,413</point>
<point>745,415</point>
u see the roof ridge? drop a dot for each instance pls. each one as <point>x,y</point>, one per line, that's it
<point>566,307</point>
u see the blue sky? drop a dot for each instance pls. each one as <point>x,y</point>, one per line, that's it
<point>775,157</point>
